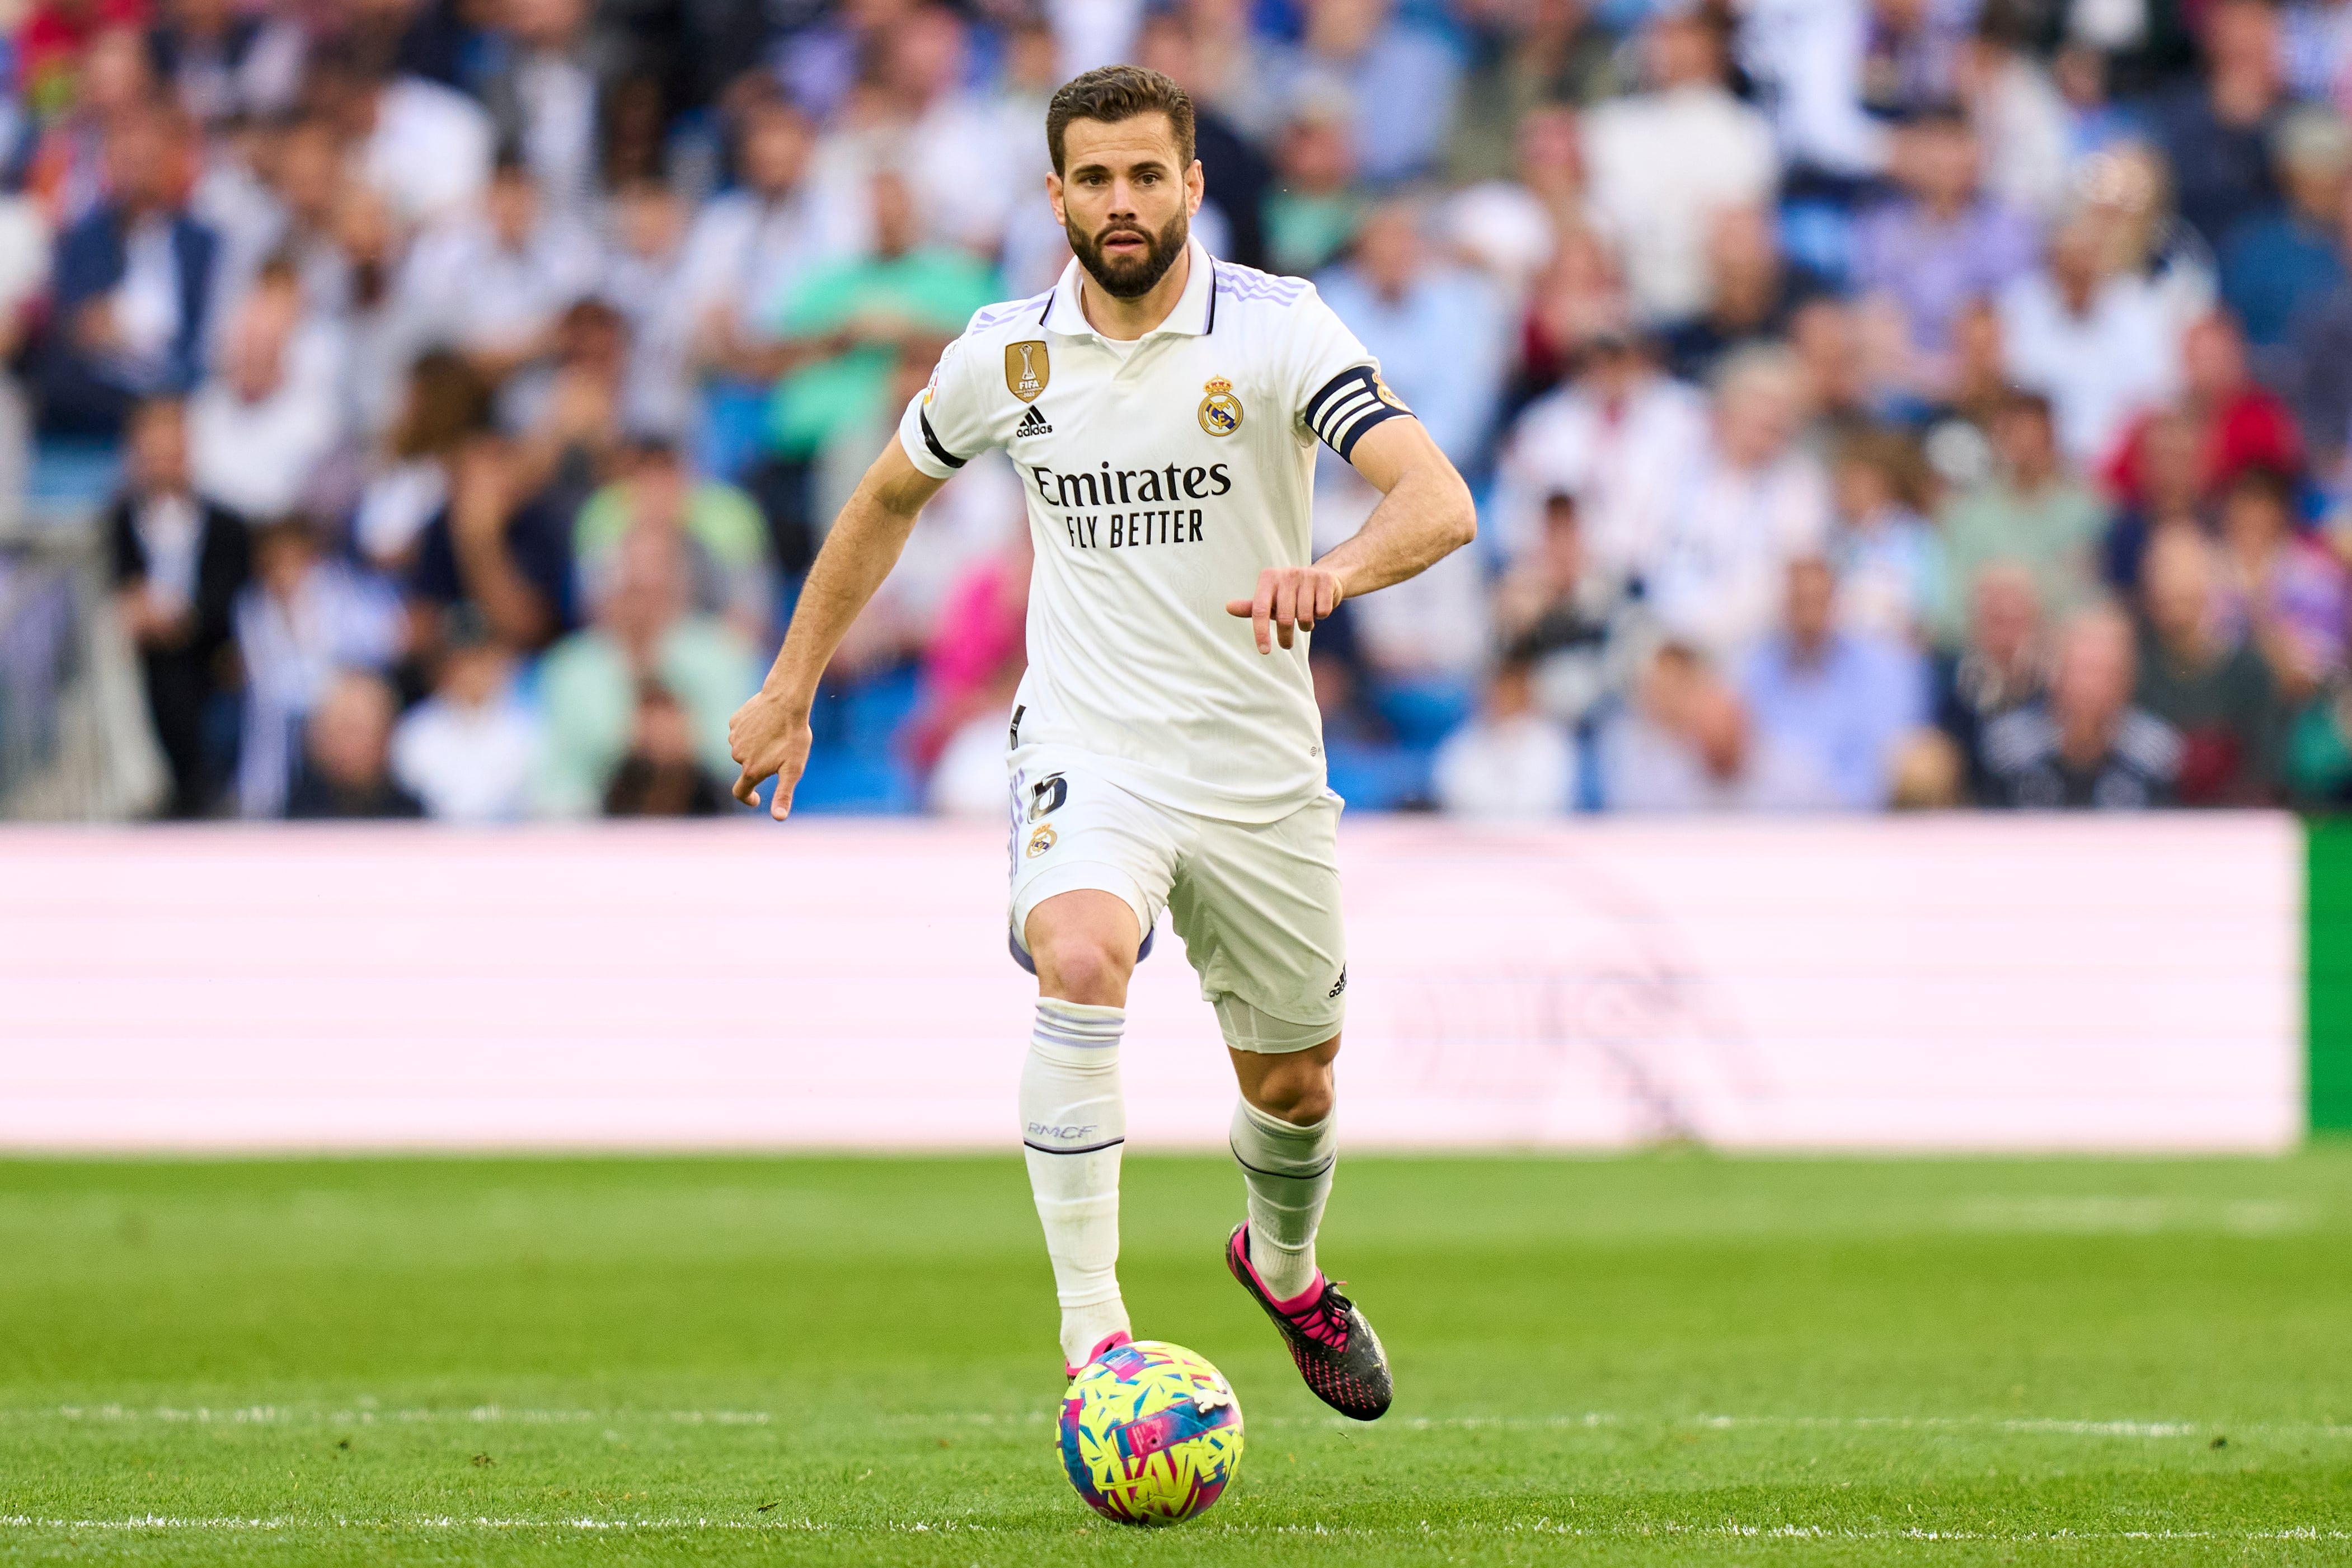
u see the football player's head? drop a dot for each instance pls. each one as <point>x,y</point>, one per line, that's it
<point>1125,183</point>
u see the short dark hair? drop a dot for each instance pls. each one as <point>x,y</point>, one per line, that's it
<point>1113,93</point>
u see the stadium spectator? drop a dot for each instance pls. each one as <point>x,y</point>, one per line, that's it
<point>1751,294</point>
<point>2215,691</point>
<point>2084,746</point>
<point>2029,513</point>
<point>1527,62</point>
<point>467,751</point>
<point>2288,257</point>
<point>726,539</point>
<point>969,779</point>
<point>2000,667</point>
<point>2023,121</point>
<point>135,285</point>
<point>113,80</point>
<point>2240,424</point>
<point>424,146</point>
<point>844,329</point>
<point>346,771</point>
<point>1623,438</point>
<point>496,285</point>
<point>1944,242</point>
<point>2167,486</point>
<point>1664,162</point>
<point>590,682</point>
<point>2215,130</point>
<point>225,64</point>
<point>1437,330</point>
<point>1753,502</point>
<point>2097,340</point>
<point>262,427</point>
<point>446,404</point>
<point>748,246</point>
<point>542,98</point>
<point>1577,633</point>
<point>979,642</point>
<point>1425,647</point>
<point>1313,208</point>
<point>1844,699</point>
<point>307,618</point>
<point>1883,548</point>
<point>1577,310</point>
<point>495,547</point>
<point>1688,744</point>
<point>178,563</point>
<point>2282,590</point>
<point>1509,761</point>
<point>1510,227</point>
<point>661,776</point>
<point>1399,77</point>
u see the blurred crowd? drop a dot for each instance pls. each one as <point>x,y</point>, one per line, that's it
<point>1871,403</point>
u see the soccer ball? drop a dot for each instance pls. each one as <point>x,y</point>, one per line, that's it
<point>1150,1434</point>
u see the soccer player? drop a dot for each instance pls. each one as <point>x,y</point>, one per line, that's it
<point>1164,750</point>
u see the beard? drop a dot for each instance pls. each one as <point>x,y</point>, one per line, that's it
<point>1130,277</point>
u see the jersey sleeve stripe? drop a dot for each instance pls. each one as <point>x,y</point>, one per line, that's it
<point>931,439</point>
<point>1348,405</point>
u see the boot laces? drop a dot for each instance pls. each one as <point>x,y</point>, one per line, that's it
<point>1325,1321</point>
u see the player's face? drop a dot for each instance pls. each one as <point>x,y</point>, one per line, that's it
<point>1125,201</point>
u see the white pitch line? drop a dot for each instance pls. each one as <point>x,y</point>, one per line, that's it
<point>496,1415</point>
<point>287,1416</point>
<point>168,1523</point>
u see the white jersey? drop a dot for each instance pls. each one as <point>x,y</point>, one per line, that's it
<point>1162,480</point>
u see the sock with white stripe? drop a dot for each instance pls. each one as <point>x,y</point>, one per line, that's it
<point>1073,1123</point>
<point>1288,1169</point>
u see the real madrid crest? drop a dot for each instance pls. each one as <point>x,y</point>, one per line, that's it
<point>1041,840</point>
<point>1026,369</point>
<point>1221,411</point>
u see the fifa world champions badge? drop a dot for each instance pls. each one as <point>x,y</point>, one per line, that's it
<point>1221,411</point>
<point>1026,369</point>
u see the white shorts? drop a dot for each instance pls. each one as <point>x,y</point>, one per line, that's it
<point>1257,904</point>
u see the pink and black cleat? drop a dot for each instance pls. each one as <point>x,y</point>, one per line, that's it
<point>1109,1342</point>
<point>1334,1348</point>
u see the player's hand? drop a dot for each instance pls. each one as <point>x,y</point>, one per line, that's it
<point>771,738</point>
<point>1288,598</point>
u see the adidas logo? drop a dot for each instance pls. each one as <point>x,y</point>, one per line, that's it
<point>1033,423</point>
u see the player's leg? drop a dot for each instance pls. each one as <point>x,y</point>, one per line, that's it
<point>1286,1138</point>
<point>1090,871</point>
<point>1072,1110</point>
<point>1259,908</point>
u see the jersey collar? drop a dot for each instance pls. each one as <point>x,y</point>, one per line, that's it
<point>1194,315</point>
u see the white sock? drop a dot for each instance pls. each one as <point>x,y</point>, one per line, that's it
<point>1288,1169</point>
<point>1073,1122</point>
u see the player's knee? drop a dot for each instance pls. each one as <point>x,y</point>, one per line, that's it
<point>1298,1088</point>
<point>1077,967</point>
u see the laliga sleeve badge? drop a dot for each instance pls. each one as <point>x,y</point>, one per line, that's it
<point>1026,369</point>
<point>1221,411</point>
<point>1041,840</point>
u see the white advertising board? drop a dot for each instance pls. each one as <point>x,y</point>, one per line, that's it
<point>1964,983</point>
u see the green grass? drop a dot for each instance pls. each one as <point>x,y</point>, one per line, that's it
<point>1668,1359</point>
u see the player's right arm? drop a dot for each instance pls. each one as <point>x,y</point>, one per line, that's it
<point>770,734</point>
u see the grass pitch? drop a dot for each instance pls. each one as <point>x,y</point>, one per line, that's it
<point>1668,1359</point>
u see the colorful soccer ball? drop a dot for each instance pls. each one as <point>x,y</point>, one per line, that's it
<point>1150,1434</point>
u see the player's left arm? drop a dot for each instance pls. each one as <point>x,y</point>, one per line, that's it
<point>1425,515</point>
